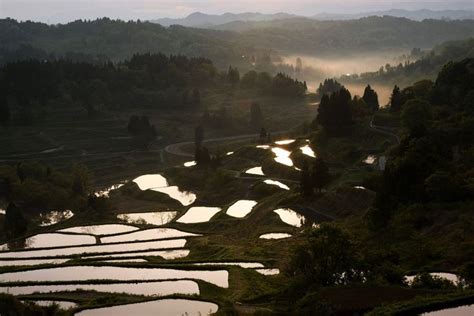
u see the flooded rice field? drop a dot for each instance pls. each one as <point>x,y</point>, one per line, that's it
<point>165,306</point>
<point>51,240</point>
<point>147,234</point>
<point>160,288</point>
<point>84,273</point>
<point>108,229</point>
<point>124,247</point>
<point>241,208</point>
<point>278,184</point>
<point>54,217</point>
<point>151,218</point>
<point>275,236</point>
<point>158,183</point>
<point>290,217</point>
<point>198,214</point>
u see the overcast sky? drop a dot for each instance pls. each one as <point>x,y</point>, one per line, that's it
<point>60,11</point>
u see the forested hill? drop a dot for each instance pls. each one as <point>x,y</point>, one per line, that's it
<point>119,40</point>
<point>302,35</point>
<point>426,67</point>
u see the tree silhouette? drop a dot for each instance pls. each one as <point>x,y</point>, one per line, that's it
<point>320,174</point>
<point>396,99</point>
<point>371,98</point>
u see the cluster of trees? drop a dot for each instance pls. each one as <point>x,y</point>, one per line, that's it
<point>142,130</point>
<point>314,178</point>
<point>149,79</point>
<point>32,188</point>
<point>202,157</point>
<point>280,85</point>
<point>335,113</point>
<point>328,87</point>
<point>432,164</point>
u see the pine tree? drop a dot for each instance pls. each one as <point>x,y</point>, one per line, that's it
<point>396,100</point>
<point>371,98</point>
<point>320,174</point>
<point>306,185</point>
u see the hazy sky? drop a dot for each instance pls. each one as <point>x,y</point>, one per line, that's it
<point>60,11</point>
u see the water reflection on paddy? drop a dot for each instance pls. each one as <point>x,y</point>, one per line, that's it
<point>165,307</point>
<point>245,265</point>
<point>138,246</point>
<point>61,304</point>
<point>290,217</point>
<point>150,181</point>
<point>107,229</point>
<point>268,271</point>
<point>443,275</point>
<point>370,159</point>
<point>275,236</point>
<point>189,164</point>
<point>278,184</point>
<point>105,192</point>
<point>455,311</point>
<point>165,254</point>
<point>185,198</point>
<point>53,240</point>
<point>12,263</point>
<point>148,234</point>
<point>146,288</point>
<point>199,214</point>
<point>285,142</point>
<point>263,146</point>
<point>84,273</point>
<point>308,151</point>
<point>54,217</point>
<point>282,156</point>
<point>153,218</point>
<point>241,208</point>
<point>256,171</point>
<point>158,183</point>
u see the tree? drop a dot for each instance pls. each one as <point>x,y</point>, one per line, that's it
<point>142,130</point>
<point>4,110</point>
<point>306,184</point>
<point>233,76</point>
<point>416,115</point>
<point>371,98</point>
<point>327,87</point>
<point>330,257</point>
<point>15,223</point>
<point>256,116</point>
<point>320,174</point>
<point>249,80</point>
<point>81,183</point>
<point>334,112</point>
<point>396,100</point>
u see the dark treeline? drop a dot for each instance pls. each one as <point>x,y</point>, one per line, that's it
<point>148,80</point>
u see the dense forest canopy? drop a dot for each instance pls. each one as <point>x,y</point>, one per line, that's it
<point>118,40</point>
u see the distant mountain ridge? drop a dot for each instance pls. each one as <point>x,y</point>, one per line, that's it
<point>198,19</point>
<point>416,15</point>
<point>203,20</point>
